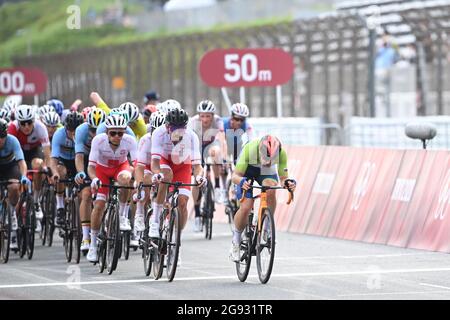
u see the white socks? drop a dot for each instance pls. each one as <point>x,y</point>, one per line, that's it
<point>59,201</point>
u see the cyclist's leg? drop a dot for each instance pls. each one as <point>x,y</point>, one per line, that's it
<point>60,209</point>
<point>12,173</point>
<point>139,217</point>
<point>183,199</point>
<point>85,213</point>
<point>182,172</point>
<point>123,177</point>
<point>272,181</point>
<point>197,196</point>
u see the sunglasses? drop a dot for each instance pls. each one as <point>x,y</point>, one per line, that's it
<point>3,135</point>
<point>173,128</point>
<point>238,119</point>
<point>114,133</point>
<point>24,123</point>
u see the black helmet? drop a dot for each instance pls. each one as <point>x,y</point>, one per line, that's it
<point>177,117</point>
<point>151,95</point>
<point>73,120</point>
<point>3,128</point>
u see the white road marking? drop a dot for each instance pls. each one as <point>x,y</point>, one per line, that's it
<point>209,278</point>
<point>434,286</point>
<point>389,293</point>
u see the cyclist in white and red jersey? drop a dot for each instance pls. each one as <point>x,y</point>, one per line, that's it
<point>33,138</point>
<point>109,159</point>
<point>175,149</point>
<point>143,171</point>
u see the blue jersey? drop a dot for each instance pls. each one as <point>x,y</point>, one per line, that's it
<point>236,138</point>
<point>62,145</point>
<point>83,139</point>
<point>102,129</point>
<point>11,151</point>
<point>226,124</point>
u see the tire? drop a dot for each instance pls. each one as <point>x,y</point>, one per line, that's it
<point>76,230</point>
<point>50,216</point>
<point>146,249</point>
<point>243,266</point>
<point>5,232</point>
<point>68,231</point>
<point>265,246</point>
<point>126,244</point>
<point>31,227</point>
<point>113,247</point>
<point>173,244</point>
<point>160,254</point>
<point>101,244</point>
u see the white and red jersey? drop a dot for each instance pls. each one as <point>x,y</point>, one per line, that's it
<point>144,154</point>
<point>185,151</point>
<point>206,135</point>
<point>38,137</point>
<point>102,153</point>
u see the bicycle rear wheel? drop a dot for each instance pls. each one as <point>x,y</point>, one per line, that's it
<point>126,244</point>
<point>101,248</point>
<point>208,211</point>
<point>113,247</point>
<point>243,266</point>
<point>173,244</point>
<point>265,246</point>
<point>5,232</point>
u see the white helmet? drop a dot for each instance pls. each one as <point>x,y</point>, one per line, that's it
<point>157,119</point>
<point>131,109</point>
<point>12,101</point>
<point>168,105</point>
<point>115,121</point>
<point>240,110</point>
<point>5,114</point>
<point>45,109</point>
<point>206,106</point>
<point>51,119</point>
<point>24,112</point>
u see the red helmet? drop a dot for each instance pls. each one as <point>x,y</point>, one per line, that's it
<point>85,112</point>
<point>148,110</point>
<point>269,147</point>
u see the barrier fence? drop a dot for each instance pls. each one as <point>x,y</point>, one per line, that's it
<point>384,196</point>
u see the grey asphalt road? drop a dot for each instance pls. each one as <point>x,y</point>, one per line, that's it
<point>306,267</point>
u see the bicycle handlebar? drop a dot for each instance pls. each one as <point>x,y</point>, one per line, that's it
<point>264,188</point>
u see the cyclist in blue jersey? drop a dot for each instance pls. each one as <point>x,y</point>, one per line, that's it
<point>12,168</point>
<point>63,159</point>
<point>83,139</point>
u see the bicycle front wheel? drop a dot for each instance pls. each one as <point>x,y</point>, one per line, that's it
<point>5,232</point>
<point>265,246</point>
<point>208,211</point>
<point>113,239</point>
<point>68,231</point>
<point>76,229</point>
<point>173,244</point>
<point>146,246</point>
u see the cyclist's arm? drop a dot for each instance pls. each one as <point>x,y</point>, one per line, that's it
<point>22,167</point>
<point>139,173</point>
<point>241,165</point>
<point>198,170</point>
<point>79,162</point>
<point>98,101</point>
<point>93,158</point>
<point>156,165</point>
<point>282,167</point>
<point>75,105</point>
<point>139,127</point>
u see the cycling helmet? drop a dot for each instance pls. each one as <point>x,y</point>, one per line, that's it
<point>96,117</point>
<point>269,147</point>
<point>119,112</point>
<point>3,128</point>
<point>151,95</point>
<point>12,102</point>
<point>45,109</point>
<point>57,104</point>
<point>73,120</point>
<point>5,114</point>
<point>115,121</point>
<point>240,110</point>
<point>168,105</point>
<point>157,119</point>
<point>131,109</point>
<point>177,117</point>
<point>206,106</point>
<point>85,112</point>
<point>51,119</point>
<point>148,110</point>
<point>24,112</point>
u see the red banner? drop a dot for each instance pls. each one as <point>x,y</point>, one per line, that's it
<point>22,81</point>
